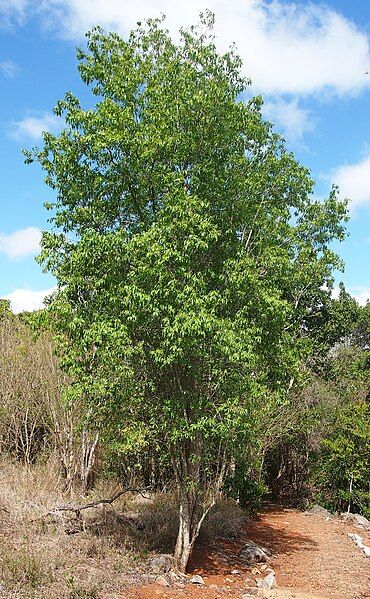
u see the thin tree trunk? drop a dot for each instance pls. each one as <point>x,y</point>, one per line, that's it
<point>189,526</point>
<point>350,493</point>
<point>187,532</point>
<point>88,458</point>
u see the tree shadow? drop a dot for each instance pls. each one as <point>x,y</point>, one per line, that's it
<point>223,556</point>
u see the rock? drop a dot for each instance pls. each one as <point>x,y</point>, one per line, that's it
<point>318,510</point>
<point>235,571</point>
<point>269,582</point>
<point>252,553</point>
<point>214,587</point>
<point>359,542</point>
<point>247,596</point>
<point>161,563</point>
<point>177,579</point>
<point>196,579</point>
<point>162,581</point>
<point>356,519</point>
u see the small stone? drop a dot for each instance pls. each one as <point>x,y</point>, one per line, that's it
<point>196,579</point>
<point>247,596</point>
<point>162,581</point>
<point>263,567</point>
<point>253,553</point>
<point>359,542</point>
<point>161,563</point>
<point>235,571</point>
<point>229,580</point>
<point>269,582</point>
<point>214,587</point>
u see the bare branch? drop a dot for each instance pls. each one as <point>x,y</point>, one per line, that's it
<point>78,508</point>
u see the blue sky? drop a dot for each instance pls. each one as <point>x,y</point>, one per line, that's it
<point>308,59</point>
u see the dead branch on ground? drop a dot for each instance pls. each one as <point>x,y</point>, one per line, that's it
<point>105,501</point>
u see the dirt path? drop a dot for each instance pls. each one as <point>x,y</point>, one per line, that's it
<point>314,560</point>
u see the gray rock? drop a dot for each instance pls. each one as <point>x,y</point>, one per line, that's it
<point>196,579</point>
<point>318,510</point>
<point>359,542</point>
<point>178,577</point>
<point>162,581</point>
<point>356,519</point>
<point>252,553</point>
<point>269,582</point>
<point>161,563</point>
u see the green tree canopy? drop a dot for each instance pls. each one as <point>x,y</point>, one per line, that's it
<point>188,252</point>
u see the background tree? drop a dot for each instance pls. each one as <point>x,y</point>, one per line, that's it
<point>188,255</point>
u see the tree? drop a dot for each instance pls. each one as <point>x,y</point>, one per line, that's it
<point>187,252</point>
<point>341,463</point>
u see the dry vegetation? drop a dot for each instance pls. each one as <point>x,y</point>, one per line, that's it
<point>99,556</point>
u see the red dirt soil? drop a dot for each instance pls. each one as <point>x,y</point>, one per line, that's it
<point>313,559</point>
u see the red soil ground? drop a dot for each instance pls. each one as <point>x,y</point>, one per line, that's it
<point>314,559</point>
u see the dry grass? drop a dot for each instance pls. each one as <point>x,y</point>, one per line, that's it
<point>38,558</point>
<point>225,520</point>
<point>60,557</point>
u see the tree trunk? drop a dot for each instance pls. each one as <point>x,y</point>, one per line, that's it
<point>88,458</point>
<point>188,531</point>
<point>190,522</point>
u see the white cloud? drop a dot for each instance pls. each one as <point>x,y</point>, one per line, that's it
<point>293,120</point>
<point>32,127</point>
<point>24,242</point>
<point>354,182</point>
<point>286,48</point>
<point>13,12</point>
<point>361,294</point>
<point>26,300</point>
<point>8,68</point>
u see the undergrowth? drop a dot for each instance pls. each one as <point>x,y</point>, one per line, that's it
<point>62,557</point>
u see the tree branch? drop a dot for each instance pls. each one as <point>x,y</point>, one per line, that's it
<point>78,508</point>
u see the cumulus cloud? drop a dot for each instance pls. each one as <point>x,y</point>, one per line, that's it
<point>27,300</point>
<point>13,12</point>
<point>21,243</point>
<point>354,182</point>
<point>292,120</point>
<point>286,48</point>
<point>360,293</point>
<point>32,127</point>
<point>8,68</point>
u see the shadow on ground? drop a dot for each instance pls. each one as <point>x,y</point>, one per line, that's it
<point>223,556</point>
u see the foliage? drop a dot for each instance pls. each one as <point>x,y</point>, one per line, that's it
<point>341,466</point>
